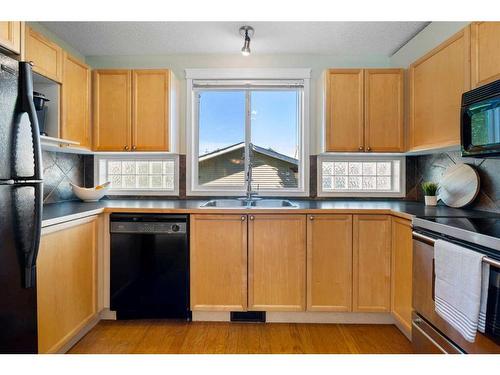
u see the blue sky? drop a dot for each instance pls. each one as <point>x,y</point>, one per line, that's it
<point>274,122</point>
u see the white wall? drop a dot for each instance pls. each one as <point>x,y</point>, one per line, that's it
<point>433,35</point>
<point>317,64</point>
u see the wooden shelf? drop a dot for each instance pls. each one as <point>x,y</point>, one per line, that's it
<point>62,145</point>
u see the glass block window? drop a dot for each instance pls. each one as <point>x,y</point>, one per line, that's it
<point>364,177</point>
<point>139,175</point>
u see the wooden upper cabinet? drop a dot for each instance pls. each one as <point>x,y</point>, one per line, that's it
<point>66,282</point>
<point>150,121</point>
<point>112,110</point>
<point>364,110</point>
<point>329,263</point>
<point>277,262</point>
<point>75,101</point>
<point>401,273</point>
<point>485,52</point>
<point>132,110</point>
<point>437,81</point>
<point>344,110</point>
<point>47,56</point>
<point>218,256</point>
<point>372,263</point>
<point>10,35</point>
<point>384,130</point>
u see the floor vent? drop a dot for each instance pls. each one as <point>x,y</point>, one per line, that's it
<point>248,316</point>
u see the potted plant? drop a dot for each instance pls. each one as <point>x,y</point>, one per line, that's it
<point>430,189</point>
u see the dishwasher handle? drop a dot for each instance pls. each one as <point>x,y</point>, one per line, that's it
<point>150,227</point>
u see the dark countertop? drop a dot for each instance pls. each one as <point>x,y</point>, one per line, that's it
<point>60,212</point>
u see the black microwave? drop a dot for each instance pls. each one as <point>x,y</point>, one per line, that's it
<point>480,121</point>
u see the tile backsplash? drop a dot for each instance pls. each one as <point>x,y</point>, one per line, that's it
<point>59,169</point>
<point>431,168</point>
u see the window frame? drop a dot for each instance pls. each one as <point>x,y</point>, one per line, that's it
<point>193,188</point>
<point>98,158</point>
<point>360,158</point>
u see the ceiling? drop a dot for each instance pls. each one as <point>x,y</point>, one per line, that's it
<point>161,38</point>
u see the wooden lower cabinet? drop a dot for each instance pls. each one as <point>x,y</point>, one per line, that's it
<point>371,263</point>
<point>401,273</point>
<point>66,282</point>
<point>277,262</point>
<point>329,263</point>
<point>218,256</point>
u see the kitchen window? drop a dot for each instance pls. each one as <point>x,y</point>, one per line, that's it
<point>358,176</point>
<point>239,124</point>
<point>138,174</point>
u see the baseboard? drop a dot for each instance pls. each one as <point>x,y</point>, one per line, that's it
<point>108,314</point>
<point>211,316</point>
<point>78,336</point>
<point>303,317</point>
<point>402,326</point>
<point>329,317</point>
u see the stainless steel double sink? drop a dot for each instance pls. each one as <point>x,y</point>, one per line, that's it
<point>243,203</point>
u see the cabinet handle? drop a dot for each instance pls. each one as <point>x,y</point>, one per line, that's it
<point>368,148</point>
<point>360,148</point>
<point>125,148</point>
<point>243,218</point>
<point>251,217</point>
<point>311,217</point>
<point>134,148</point>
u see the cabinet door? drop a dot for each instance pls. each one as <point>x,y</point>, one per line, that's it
<point>401,273</point>
<point>485,56</point>
<point>437,82</point>
<point>75,101</point>
<point>329,263</point>
<point>372,263</point>
<point>344,110</point>
<point>277,262</point>
<point>218,271</point>
<point>10,35</point>
<point>384,131</point>
<point>112,110</point>
<point>66,282</point>
<point>47,56</point>
<point>150,114</point>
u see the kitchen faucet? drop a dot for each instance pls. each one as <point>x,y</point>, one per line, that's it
<point>250,193</point>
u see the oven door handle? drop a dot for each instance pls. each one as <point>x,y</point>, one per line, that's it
<point>431,241</point>
<point>423,238</point>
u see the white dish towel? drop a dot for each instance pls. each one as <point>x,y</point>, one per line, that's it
<point>484,297</point>
<point>458,286</point>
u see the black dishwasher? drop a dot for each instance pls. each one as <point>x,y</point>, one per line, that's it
<point>149,266</point>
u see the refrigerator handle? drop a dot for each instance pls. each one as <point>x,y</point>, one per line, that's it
<point>32,254</point>
<point>27,105</point>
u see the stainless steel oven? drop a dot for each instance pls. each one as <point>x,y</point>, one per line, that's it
<point>430,332</point>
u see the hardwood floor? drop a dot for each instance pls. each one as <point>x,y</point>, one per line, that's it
<point>156,336</point>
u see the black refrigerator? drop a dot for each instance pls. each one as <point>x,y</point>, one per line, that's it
<point>20,207</point>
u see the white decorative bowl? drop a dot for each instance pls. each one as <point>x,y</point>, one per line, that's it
<point>90,194</point>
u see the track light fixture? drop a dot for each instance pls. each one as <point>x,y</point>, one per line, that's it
<point>246,32</point>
